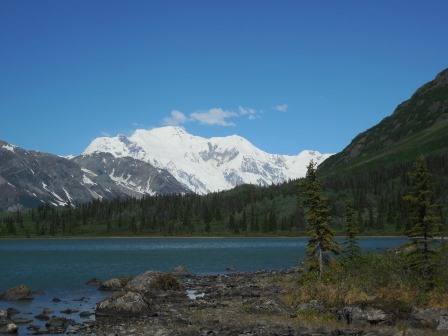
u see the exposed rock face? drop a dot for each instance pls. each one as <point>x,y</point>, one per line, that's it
<point>30,178</point>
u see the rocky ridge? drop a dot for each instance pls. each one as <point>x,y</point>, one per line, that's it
<point>30,178</point>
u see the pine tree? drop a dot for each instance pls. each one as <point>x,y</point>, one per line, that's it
<point>351,249</point>
<point>423,219</point>
<point>321,242</point>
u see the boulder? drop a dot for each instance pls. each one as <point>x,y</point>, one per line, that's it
<point>42,317</point>
<point>6,325</point>
<point>364,316</point>
<point>69,311</point>
<point>115,284</point>
<point>140,296</point>
<point>13,311</point>
<point>20,292</point>
<point>180,271</point>
<point>434,318</point>
<point>443,323</point>
<point>57,325</point>
<point>94,282</point>
<point>9,328</point>
<point>123,304</point>
<point>151,283</point>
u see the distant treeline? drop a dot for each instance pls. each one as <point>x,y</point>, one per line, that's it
<point>246,210</point>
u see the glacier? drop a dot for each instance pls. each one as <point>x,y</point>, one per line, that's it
<point>206,165</point>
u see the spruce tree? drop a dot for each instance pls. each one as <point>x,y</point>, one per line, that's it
<point>321,242</point>
<point>423,219</point>
<point>351,248</point>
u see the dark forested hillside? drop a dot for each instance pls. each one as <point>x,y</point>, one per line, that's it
<point>373,169</point>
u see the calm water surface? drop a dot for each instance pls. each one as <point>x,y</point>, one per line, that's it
<point>67,264</point>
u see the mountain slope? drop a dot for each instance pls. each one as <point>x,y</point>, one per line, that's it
<point>417,126</point>
<point>29,178</point>
<point>129,176</point>
<point>206,165</point>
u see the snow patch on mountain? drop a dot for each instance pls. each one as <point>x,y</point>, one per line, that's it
<point>206,165</point>
<point>9,147</point>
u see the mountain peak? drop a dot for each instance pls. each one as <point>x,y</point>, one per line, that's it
<point>206,165</point>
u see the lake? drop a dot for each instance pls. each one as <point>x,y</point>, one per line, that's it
<point>67,264</point>
<point>61,267</point>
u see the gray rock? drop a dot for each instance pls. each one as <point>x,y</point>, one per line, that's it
<point>115,284</point>
<point>86,314</point>
<point>434,318</point>
<point>9,328</point>
<point>180,271</point>
<point>124,304</point>
<point>140,295</point>
<point>42,317</point>
<point>21,320</point>
<point>6,325</point>
<point>20,292</point>
<point>443,323</point>
<point>155,284</point>
<point>94,282</point>
<point>57,325</point>
<point>69,311</point>
<point>13,311</point>
<point>365,316</point>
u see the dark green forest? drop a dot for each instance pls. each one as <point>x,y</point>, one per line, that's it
<point>247,210</point>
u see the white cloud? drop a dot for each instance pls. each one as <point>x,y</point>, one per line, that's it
<point>177,118</point>
<point>281,108</point>
<point>105,134</point>
<point>214,116</point>
<point>249,112</point>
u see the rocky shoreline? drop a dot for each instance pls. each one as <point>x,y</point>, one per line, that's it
<point>180,303</point>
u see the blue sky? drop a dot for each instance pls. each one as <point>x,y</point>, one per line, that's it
<point>288,75</point>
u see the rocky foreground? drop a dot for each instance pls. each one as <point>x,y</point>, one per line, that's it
<point>258,303</point>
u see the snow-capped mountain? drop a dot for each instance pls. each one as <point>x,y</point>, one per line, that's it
<point>206,165</point>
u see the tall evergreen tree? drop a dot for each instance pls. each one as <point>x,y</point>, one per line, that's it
<point>351,248</point>
<point>321,242</point>
<point>423,219</point>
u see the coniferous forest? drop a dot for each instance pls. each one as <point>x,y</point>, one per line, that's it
<point>377,195</point>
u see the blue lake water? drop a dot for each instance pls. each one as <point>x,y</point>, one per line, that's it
<point>67,264</point>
